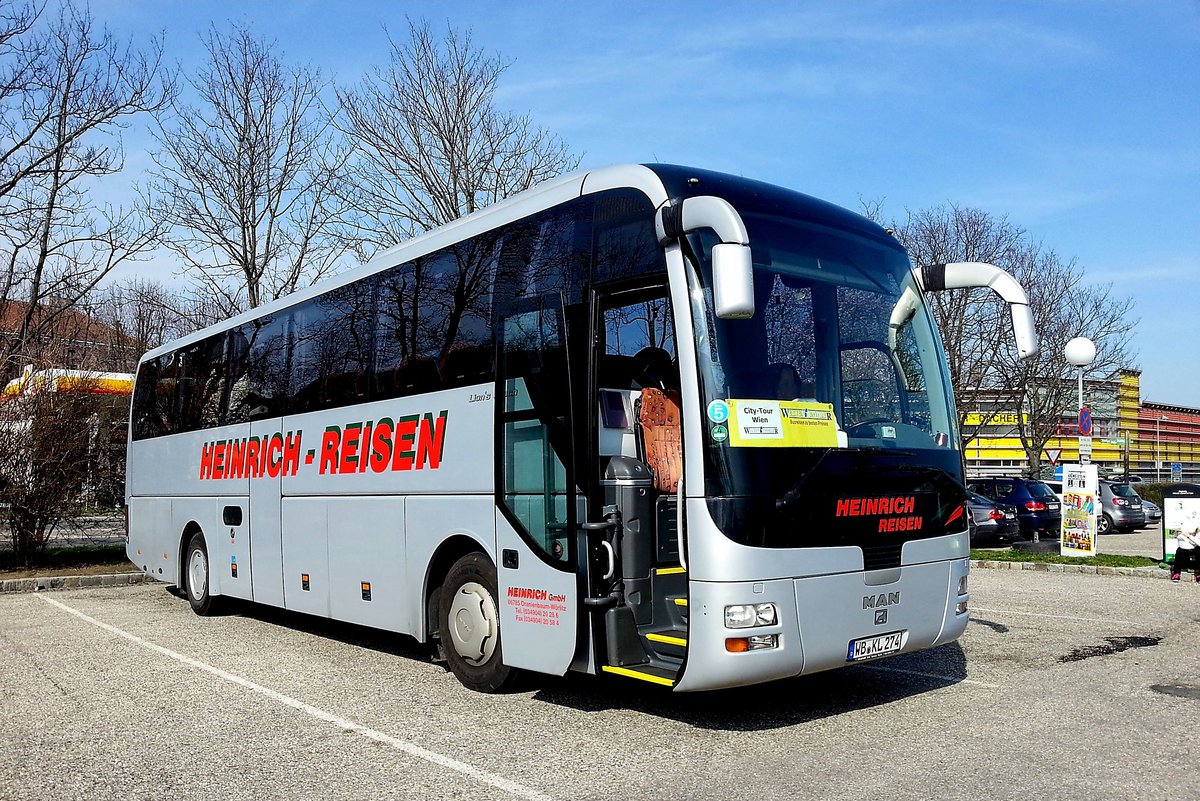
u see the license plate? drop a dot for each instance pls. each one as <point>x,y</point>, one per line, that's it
<point>873,647</point>
<point>1053,507</point>
<point>1010,515</point>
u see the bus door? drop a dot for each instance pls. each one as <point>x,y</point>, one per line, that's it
<point>537,503</point>
<point>634,569</point>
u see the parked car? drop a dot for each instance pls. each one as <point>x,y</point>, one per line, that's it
<point>1039,510</point>
<point>1122,479</point>
<point>1120,509</point>
<point>1056,488</point>
<point>1153,513</point>
<point>989,521</point>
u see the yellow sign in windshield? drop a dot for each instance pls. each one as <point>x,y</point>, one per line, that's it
<point>781,424</point>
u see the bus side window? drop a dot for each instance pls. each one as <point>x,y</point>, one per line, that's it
<point>237,409</point>
<point>267,369</point>
<point>331,362</point>
<point>153,399</point>
<point>201,384</point>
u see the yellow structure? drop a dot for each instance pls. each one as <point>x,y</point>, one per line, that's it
<point>1149,437</point>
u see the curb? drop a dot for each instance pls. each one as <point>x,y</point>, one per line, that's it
<point>71,582</point>
<point>1090,570</point>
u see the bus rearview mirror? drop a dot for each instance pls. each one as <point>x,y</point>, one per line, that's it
<point>733,282</point>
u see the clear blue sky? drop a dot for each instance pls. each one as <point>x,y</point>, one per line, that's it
<point>1080,121</point>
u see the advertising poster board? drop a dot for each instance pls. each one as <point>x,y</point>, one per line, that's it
<point>1080,487</point>
<point>1181,515</point>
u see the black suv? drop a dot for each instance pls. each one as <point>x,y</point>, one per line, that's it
<point>1038,508</point>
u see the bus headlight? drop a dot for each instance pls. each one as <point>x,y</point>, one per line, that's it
<point>744,616</point>
<point>962,586</point>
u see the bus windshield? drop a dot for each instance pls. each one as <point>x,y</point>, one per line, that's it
<point>841,333</point>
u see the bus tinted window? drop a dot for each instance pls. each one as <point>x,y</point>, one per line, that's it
<point>260,379</point>
<point>154,398</point>
<point>332,338</point>
<point>625,243</point>
<point>201,384</point>
<point>434,321</point>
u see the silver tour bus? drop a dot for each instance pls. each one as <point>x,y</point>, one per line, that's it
<point>652,421</point>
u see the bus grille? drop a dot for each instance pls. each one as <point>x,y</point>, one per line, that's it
<point>881,557</point>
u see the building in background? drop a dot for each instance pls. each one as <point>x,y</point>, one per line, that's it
<point>1129,436</point>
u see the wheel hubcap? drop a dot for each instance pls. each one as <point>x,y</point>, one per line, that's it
<point>197,574</point>
<point>473,623</point>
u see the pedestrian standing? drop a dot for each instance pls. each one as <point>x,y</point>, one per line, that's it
<point>1187,554</point>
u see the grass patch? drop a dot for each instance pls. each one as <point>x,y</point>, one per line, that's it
<point>68,558</point>
<point>1100,560</point>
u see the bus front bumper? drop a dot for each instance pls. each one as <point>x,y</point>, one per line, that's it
<point>818,618</point>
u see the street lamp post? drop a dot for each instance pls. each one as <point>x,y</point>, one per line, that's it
<point>1080,352</point>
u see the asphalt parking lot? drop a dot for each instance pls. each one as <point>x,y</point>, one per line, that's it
<point>1065,686</point>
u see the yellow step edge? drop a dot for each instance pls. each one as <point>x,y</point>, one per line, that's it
<point>669,640</point>
<point>681,601</point>
<point>668,571</point>
<point>633,674</point>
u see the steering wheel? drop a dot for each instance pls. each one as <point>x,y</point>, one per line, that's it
<point>865,424</point>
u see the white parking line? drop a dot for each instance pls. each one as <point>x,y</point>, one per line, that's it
<point>948,679</point>
<point>1056,617</point>
<point>511,787</point>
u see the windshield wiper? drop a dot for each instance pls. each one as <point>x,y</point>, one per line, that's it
<point>797,491</point>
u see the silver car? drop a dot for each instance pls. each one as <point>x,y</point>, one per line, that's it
<point>1120,509</point>
<point>1153,513</point>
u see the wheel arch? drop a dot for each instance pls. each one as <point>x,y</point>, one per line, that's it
<point>189,530</point>
<point>449,552</point>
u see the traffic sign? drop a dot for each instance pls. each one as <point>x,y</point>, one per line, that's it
<point>1085,449</point>
<point>1085,422</point>
<point>1053,455</point>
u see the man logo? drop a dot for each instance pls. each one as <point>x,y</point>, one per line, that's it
<point>880,617</point>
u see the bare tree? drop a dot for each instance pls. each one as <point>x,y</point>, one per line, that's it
<point>56,450</point>
<point>984,368</point>
<point>66,91</point>
<point>429,144</point>
<point>243,177</point>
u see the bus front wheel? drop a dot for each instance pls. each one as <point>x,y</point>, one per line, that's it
<point>470,625</point>
<point>195,576</point>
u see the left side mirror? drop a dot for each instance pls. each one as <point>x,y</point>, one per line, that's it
<point>733,282</point>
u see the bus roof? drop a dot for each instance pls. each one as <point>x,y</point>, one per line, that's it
<point>659,182</point>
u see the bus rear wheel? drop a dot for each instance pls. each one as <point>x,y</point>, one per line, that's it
<point>470,625</point>
<point>195,576</point>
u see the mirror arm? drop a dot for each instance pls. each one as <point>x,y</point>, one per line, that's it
<point>977,274</point>
<point>733,267</point>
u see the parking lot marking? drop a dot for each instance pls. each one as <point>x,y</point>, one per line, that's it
<point>1056,617</point>
<point>922,674</point>
<point>510,787</point>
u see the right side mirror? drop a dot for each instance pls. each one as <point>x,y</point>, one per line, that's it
<point>971,274</point>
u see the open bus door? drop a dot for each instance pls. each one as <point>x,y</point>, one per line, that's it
<point>636,582</point>
<point>537,504</point>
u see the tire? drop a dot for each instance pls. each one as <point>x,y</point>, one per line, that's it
<point>195,577</point>
<point>469,624</point>
<point>1104,524</point>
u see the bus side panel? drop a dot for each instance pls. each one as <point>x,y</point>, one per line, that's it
<point>538,607</point>
<point>306,555</point>
<point>266,554</point>
<point>152,543</point>
<point>203,513</point>
<point>185,464</point>
<point>428,522</point>
<point>229,550</point>
<point>366,562</point>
